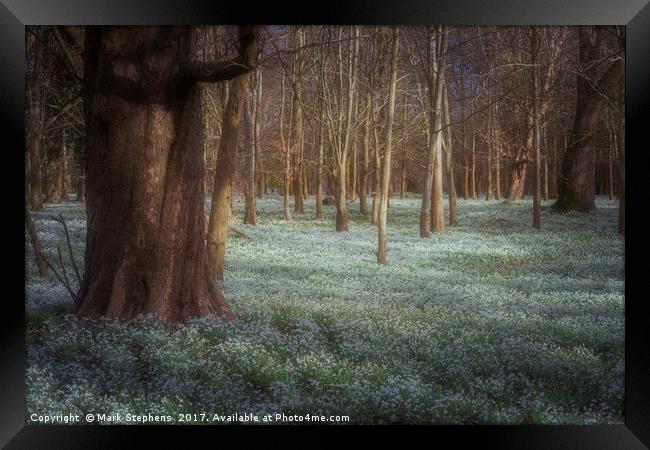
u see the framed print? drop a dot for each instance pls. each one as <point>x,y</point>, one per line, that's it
<point>371,213</point>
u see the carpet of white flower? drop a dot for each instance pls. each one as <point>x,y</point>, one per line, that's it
<point>488,322</point>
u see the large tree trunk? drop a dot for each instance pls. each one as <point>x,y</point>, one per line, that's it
<point>382,255</point>
<point>576,184</point>
<point>145,246</point>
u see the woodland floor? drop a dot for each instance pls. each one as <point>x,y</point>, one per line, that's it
<point>489,322</point>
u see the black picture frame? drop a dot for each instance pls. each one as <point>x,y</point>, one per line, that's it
<point>15,14</point>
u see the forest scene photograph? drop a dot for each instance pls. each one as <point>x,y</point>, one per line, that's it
<point>324,224</point>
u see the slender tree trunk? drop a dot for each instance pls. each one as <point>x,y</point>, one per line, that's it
<point>36,245</point>
<point>520,165</point>
<point>63,190</point>
<point>402,179</point>
<point>353,174</point>
<point>341,207</point>
<point>537,198</point>
<point>81,187</point>
<point>621,162</point>
<point>431,211</point>
<point>376,185</point>
<point>345,136</point>
<point>286,173</point>
<point>319,169</point>
<point>259,171</point>
<point>222,193</point>
<point>546,189</point>
<point>297,135</point>
<point>250,205</point>
<point>488,186</point>
<point>497,172</point>
<point>610,165</point>
<point>385,176</point>
<point>451,182</point>
<point>553,180</point>
<point>473,165</point>
<point>365,166</point>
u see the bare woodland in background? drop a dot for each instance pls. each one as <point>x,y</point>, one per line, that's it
<point>144,123</point>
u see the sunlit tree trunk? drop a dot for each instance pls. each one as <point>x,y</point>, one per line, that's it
<point>376,184</point>
<point>145,245</point>
<point>451,182</point>
<point>250,204</point>
<point>286,153</point>
<point>297,139</point>
<point>259,170</point>
<point>431,211</point>
<point>222,193</point>
<point>385,176</point>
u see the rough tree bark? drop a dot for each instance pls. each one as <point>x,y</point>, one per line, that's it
<point>145,246</point>
<point>576,183</point>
